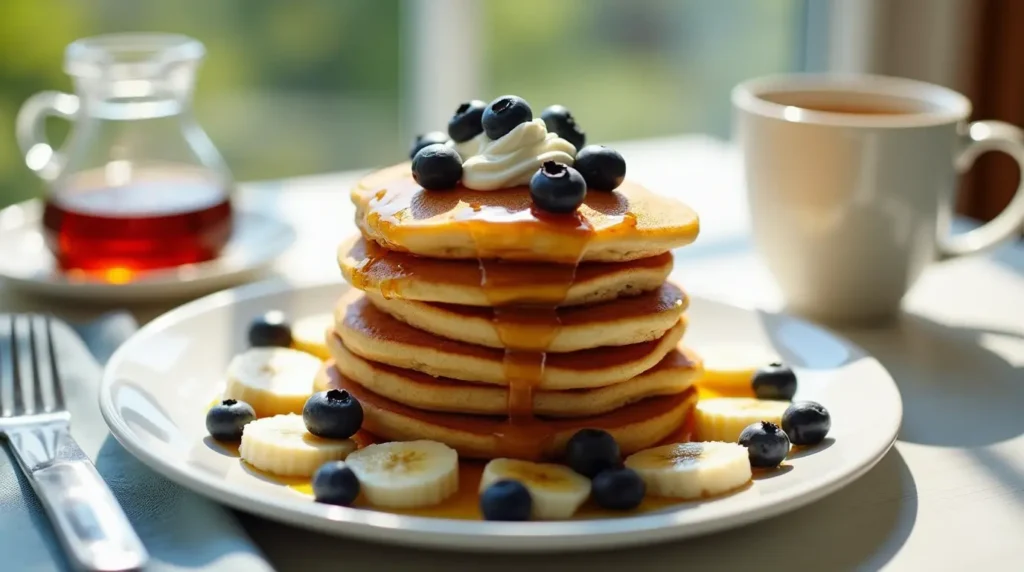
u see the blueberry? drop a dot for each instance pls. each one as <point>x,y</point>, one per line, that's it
<point>503,114</point>
<point>332,414</point>
<point>465,124</point>
<point>766,444</point>
<point>225,420</point>
<point>806,422</point>
<point>506,500</point>
<point>560,121</point>
<point>591,451</point>
<point>427,139</point>
<point>436,167</point>
<point>602,167</point>
<point>775,381</point>
<point>335,483</point>
<point>557,188</point>
<point>270,330</point>
<point>618,489</point>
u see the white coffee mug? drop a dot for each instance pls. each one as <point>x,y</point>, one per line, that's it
<point>851,182</point>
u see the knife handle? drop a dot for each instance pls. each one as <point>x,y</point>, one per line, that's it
<point>85,515</point>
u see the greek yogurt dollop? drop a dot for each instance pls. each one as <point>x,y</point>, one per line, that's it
<point>513,159</point>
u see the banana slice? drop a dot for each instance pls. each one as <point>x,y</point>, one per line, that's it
<point>557,491</point>
<point>309,335</point>
<point>406,474</point>
<point>281,445</point>
<point>274,381</point>
<point>729,368</point>
<point>692,470</point>
<point>724,418</point>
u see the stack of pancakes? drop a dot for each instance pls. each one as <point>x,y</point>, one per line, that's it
<point>479,322</point>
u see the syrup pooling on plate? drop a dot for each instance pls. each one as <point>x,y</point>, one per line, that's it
<point>465,504</point>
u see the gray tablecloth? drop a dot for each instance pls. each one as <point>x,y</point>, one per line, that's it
<point>181,530</point>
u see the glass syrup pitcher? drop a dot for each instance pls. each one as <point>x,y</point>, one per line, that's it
<point>137,184</point>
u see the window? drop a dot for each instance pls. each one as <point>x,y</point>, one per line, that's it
<point>292,88</point>
<point>639,68</point>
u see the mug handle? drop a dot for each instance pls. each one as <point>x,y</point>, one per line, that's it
<point>982,136</point>
<point>40,156</point>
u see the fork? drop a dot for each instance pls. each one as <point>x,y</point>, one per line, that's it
<point>86,517</point>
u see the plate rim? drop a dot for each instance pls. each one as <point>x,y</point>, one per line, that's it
<point>452,534</point>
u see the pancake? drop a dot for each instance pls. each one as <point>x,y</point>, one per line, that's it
<point>374,335</point>
<point>369,267</point>
<point>635,427</point>
<point>673,374</point>
<point>617,323</point>
<point>628,223</point>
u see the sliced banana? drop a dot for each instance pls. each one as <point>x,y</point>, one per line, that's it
<point>281,445</point>
<point>692,470</point>
<point>309,334</point>
<point>274,381</point>
<point>557,491</point>
<point>724,418</point>
<point>731,367</point>
<point>406,474</point>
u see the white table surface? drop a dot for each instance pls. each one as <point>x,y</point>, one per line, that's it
<point>949,496</point>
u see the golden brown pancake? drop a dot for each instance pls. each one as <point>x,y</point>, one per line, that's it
<point>374,335</point>
<point>673,374</point>
<point>617,323</point>
<point>634,427</point>
<point>370,267</point>
<point>628,223</point>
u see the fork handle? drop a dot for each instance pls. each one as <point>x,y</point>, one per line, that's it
<point>85,515</point>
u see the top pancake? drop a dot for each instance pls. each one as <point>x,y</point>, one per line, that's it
<point>626,224</point>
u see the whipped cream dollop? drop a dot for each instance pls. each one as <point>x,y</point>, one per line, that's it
<point>467,149</point>
<point>513,159</point>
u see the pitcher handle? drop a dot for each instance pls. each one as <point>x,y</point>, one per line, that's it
<point>30,129</point>
<point>982,136</point>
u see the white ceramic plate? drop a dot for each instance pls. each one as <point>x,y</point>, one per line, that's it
<point>157,386</point>
<point>25,262</point>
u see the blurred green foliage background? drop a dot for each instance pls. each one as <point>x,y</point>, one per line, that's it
<point>306,86</point>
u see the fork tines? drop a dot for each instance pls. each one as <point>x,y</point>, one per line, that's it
<point>29,378</point>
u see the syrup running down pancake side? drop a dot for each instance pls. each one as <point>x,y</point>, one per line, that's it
<point>526,332</point>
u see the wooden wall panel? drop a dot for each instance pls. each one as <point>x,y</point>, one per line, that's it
<point>997,90</point>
